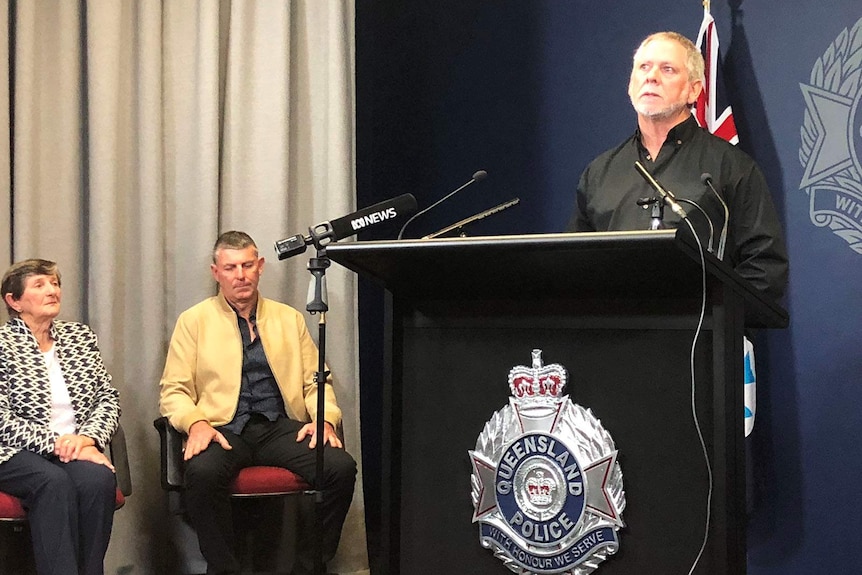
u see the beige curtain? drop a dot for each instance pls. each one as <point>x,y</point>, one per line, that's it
<point>133,132</point>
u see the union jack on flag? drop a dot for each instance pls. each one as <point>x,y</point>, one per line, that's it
<point>712,109</point>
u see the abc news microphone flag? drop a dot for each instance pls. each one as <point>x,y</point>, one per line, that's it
<point>713,112</point>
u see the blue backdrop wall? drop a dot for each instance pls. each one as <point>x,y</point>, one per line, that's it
<point>532,91</point>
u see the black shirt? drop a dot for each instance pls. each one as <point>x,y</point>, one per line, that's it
<point>259,392</point>
<point>610,187</point>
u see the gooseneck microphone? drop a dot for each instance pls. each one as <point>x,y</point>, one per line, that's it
<point>706,178</point>
<point>668,196</point>
<point>324,233</point>
<point>478,176</point>
<point>708,221</point>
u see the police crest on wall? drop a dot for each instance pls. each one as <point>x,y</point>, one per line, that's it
<point>546,486</point>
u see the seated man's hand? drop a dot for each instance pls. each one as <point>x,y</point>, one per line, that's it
<point>329,435</point>
<point>201,434</point>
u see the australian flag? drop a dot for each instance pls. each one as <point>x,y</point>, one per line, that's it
<point>712,109</point>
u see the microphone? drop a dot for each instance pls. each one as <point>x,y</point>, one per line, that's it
<point>480,175</point>
<point>708,221</point>
<point>325,233</point>
<point>474,218</point>
<point>706,178</point>
<point>666,194</point>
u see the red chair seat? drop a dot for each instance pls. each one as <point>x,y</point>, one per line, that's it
<point>120,500</point>
<point>11,508</point>
<point>264,480</point>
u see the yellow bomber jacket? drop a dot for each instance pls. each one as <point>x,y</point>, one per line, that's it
<point>203,368</point>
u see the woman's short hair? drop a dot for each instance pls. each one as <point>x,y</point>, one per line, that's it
<point>15,278</point>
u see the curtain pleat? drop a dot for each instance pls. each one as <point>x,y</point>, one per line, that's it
<point>5,144</point>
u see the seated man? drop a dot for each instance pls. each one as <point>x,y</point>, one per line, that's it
<point>239,380</point>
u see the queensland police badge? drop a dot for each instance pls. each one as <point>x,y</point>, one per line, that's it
<point>546,486</point>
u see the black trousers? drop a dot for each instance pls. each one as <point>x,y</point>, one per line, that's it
<point>209,474</point>
<point>70,508</point>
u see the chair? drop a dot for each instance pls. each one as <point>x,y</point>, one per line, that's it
<point>256,483</point>
<point>13,516</point>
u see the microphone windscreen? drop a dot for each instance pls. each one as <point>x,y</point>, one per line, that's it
<point>705,178</point>
<point>378,214</point>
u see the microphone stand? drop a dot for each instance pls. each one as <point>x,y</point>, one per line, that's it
<point>656,205</point>
<point>322,235</point>
<point>318,304</point>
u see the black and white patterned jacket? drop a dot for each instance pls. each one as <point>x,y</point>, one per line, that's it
<point>25,390</point>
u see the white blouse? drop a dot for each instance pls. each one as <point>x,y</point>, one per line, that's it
<point>62,412</point>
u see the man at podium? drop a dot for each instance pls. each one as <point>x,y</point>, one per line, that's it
<point>719,186</point>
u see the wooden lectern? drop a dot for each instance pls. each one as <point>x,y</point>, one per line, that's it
<point>619,311</point>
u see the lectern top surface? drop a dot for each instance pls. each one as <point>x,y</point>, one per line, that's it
<point>637,264</point>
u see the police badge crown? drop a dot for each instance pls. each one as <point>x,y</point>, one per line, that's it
<point>547,490</point>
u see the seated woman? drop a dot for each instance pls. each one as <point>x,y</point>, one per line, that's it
<point>58,411</point>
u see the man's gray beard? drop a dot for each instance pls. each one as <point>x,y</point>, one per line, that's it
<point>662,114</point>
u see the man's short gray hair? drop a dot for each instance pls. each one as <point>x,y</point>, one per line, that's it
<point>233,240</point>
<point>693,58</point>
